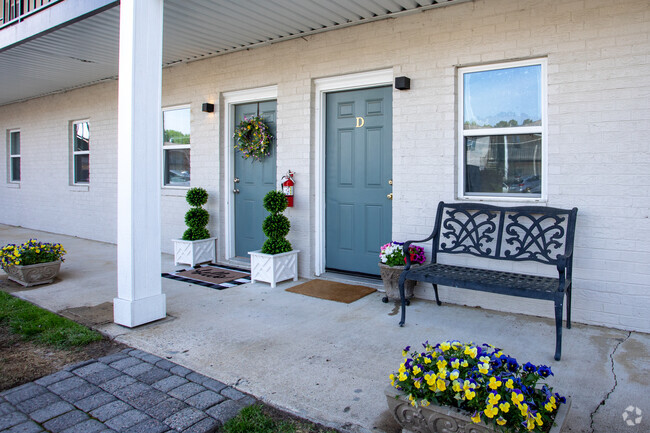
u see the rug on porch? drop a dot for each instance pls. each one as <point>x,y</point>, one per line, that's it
<point>331,290</point>
<point>101,314</point>
<point>213,276</point>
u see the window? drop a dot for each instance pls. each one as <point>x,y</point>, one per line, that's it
<point>502,115</point>
<point>176,146</point>
<point>14,156</point>
<point>80,152</point>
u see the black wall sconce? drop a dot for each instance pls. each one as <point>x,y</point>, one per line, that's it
<point>402,83</point>
<point>207,107</point>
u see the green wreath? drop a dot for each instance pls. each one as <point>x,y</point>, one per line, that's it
<point>253,138</point>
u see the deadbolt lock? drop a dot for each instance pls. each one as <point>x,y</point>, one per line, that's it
<point>390,196</point>
<point>236,180</point>
<point>390,181</point>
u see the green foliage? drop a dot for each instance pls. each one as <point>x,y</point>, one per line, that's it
<point>196,196</point>
<point>252,419</point>
<point>276,225</point>
<point>276,246</point>
<point>36,324</point>
<point>31,253</point>
<point>275,202</point>
<point>195,234</point>
<point>197,217</point>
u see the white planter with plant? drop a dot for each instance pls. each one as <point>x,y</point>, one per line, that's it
<point>196,246</point>
<point>277,260</point>
<point>32,263</point>
<point>391,265</point>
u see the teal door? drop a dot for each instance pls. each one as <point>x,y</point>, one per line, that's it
<point>358,169</point>
<point>253,179</point>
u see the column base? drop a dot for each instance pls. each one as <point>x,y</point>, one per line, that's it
<point>140,311</point>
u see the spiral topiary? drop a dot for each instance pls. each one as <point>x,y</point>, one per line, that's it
<point>196,218</point>
<point>276,226</point>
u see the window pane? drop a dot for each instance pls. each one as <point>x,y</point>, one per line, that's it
<point>508,164</point>
<point>14,138</point>
<point>502,98</point>
<point>81,136</point>
<point>15,169</point>
<point>81,168</point>
<point>177,167</point>
<point>176,126</point>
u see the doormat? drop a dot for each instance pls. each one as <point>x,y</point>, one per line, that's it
<point>331,290</point>
<point>213,276</point>
<point>101,314</point>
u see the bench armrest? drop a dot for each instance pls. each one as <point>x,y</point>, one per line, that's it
<point>407,245</point>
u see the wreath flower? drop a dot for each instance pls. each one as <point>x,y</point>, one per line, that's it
<point>253,138</point>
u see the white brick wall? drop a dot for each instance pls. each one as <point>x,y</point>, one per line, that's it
<point>598,152</point>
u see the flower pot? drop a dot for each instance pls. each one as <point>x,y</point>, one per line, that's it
<point>272,268</point>
<point>195,252</point>
<point>32,275</point>
<point>390,277</point>
<point>439,419</point>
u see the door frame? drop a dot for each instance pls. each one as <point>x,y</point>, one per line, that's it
<point>323,86</point>
<point>230,99</point>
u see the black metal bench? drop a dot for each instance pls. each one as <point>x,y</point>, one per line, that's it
<point>526,233</point>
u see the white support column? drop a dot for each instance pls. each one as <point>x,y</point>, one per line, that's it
<point>140,299</point>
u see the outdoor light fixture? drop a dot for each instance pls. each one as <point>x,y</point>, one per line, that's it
<point>207,107</point>
<point>402,83</point>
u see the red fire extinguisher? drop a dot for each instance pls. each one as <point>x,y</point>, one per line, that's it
<point>287,187</point>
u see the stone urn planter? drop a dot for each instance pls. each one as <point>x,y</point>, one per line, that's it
<point>439,419</point>
<point>273,268</point>
<point>32,275</point>
<point>390,277</point>
<point>195,252</point>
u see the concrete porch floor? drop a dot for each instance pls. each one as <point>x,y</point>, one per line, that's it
<point>328,361</point>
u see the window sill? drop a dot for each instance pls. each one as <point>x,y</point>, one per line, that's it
<point>13,185</point>
<point>506,199</point>
<point>171,191</point>
<point>79,188</point>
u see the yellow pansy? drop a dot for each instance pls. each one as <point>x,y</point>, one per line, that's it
<point>484,368</point>
<point>530,424</point>
<point>523,409</point>
<point>501,421</point>
<point>469,394</point>
<point>490,411</point>
<point>441,385</point>
<point>427,360</point>
<point>494,399</point>
<point>505,407</point>
<point>517,398</point>
<point>471,351</point>
<point>454,375</point>
<point>417,384</point>
<point>401,369</point>
<point>464,363</point>
<point>476,418</point>
<point>494,383</point>
<point>455,363</point>
<point>402,377</point>
<point>484,359</point>
<point>445,346</point>
<point>442,363</point>
<point>538,419</point>
<point>510,384</point>
<point>416,370</point>
<point>456,386</point>
<point>425,403</point>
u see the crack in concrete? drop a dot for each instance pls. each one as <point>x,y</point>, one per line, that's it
<point>604,400</point>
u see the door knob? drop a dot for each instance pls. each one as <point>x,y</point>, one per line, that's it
<point>390,196</point>
<point>236,180</point>
<point>236,191</point>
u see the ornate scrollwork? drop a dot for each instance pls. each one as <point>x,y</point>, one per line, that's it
<point>470,231</point>
<point>533,237</point>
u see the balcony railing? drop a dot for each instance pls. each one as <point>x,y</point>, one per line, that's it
<point>16,10</point>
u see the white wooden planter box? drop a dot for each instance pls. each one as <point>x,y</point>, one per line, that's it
<point>195,252</point>
<point>272,268</point>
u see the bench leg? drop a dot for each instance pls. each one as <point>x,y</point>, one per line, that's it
<point>568,307</point>
<point>402,297</point>
<point>435,289</point>
<point>559,307</point>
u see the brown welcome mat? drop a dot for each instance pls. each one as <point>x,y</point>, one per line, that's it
<point>331,290</point>
<point>90,316</point>
<point>215,277</point>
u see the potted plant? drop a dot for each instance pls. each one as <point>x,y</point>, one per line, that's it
<point>196,246</point>
<point>277,260</point>
<point>466,387</point>
<point>33,262</point>
<point>391,265</point>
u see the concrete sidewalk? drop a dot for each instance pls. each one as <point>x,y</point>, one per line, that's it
<point>328,361</point>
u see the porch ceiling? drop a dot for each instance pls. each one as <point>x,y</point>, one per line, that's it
<point>86,51</point>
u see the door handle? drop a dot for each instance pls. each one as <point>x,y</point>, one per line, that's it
<point>390,196</point>
<point>236,180</point>
<point>236,191</point>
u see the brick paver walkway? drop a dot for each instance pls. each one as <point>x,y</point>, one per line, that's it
<point>130,391</point>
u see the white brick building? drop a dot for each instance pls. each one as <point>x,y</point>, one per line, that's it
<point>594,60</point>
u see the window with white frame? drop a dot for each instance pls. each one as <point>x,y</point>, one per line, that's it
<point>81,152</point>
<point>176,146</point>
<point>14,156</point>
<point>502,123</point>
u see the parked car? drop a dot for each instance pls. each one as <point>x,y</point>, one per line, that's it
<point>530,184</point>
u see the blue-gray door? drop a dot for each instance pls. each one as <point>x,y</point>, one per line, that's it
<point>253,179</point>
<point>358,178</point>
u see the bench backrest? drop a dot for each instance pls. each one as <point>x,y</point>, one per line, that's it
<point>525,233</point>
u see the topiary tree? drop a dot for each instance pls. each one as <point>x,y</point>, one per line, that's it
<point>276,226</point>
<point>196,218</point>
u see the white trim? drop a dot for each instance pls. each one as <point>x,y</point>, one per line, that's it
<point>163,148</point>
<point>73,153</point>
<point>543,130</point>
<point>229,100</point>
<point>322,87</point>
<point>11,156</point>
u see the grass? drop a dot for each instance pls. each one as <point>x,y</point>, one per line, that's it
<point>255,419</point>
<point>33,323</point>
